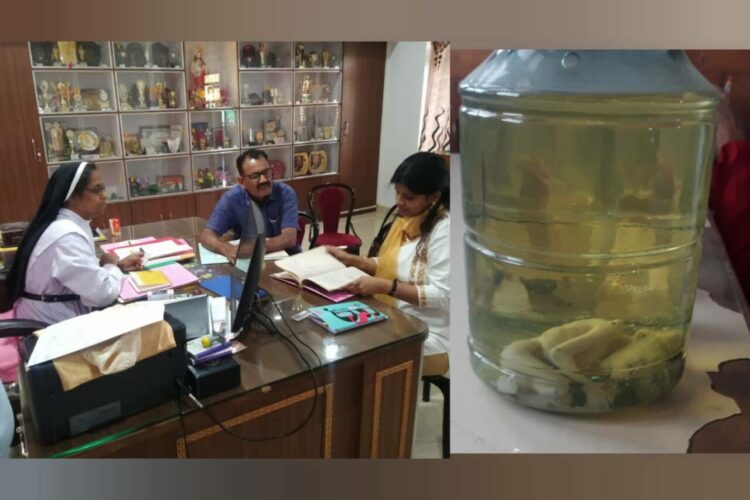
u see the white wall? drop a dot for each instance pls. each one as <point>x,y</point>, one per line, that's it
<point>403,95</point>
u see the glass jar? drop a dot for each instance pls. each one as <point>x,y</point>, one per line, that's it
<point>585,181</point>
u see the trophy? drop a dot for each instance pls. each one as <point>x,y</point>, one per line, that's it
<point>147,54</point>
<point>104,100</point>
<point>76,98</point>
<point>263,50</point>
<point>124,96</point>
<point>56,140</point>
<point>299,56</point>
<point>159,87</point>
<point>81,55</point>
<point>46,96</point>
<point>314,59</point>
<point>140,87</point>
<point>174,144</point>
<point>63,96</point>
<point>305,90</point>
<point>55,55</point>
<point>172,99</point>
<point>326,57</point>
<point>71,142</point>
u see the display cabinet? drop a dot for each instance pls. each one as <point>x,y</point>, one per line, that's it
<point>265,55</point>
<point>154,134</point>
<point>66,92</point>
<point>211,75</point>
<point>78,55</point>
<point>153,90</point>
<point>316,159</point>
<point>266,88</point>
<point>159,176</point>
<point>148,55</point>
<point>80,137</point>
<point>167,118</point>
<point>214,130</point>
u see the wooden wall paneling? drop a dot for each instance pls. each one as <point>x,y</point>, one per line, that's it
<point>159,441</point>
<point>143,211</point>
<point>205,203</point>
<point>23,168</point>
<point>115,210</point>
<point>177,207</point>
<point>361,115</point>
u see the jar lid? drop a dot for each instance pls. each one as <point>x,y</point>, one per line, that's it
<point>515,72</point>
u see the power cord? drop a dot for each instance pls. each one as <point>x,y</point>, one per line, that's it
<point>266,322</point>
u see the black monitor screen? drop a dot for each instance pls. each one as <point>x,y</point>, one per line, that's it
<point>249,263</point>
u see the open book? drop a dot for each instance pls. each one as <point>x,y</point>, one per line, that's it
<point>318,268</point>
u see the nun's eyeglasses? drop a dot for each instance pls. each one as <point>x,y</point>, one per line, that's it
<point>98,189</point>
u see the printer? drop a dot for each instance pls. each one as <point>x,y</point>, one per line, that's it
<point>58,414</point>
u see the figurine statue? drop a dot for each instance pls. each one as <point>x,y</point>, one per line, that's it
<point>56,139</point>
<point>77,99</point>
<point>313,59</point>
<point>326,57</point>
<point>299,56</point>
<point>140,86</point>
<point>198,69</point>
<point>124,96</point>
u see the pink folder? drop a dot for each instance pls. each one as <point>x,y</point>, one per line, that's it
<point>177,274</point>
<point>336,296</point>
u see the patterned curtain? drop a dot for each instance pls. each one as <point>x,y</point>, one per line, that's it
<point>435,135</point>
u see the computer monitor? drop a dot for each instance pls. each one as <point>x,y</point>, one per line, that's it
<point>248,266</point>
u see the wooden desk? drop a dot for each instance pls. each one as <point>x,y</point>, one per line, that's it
<point>366,396</point>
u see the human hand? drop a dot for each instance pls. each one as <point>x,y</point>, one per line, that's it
<point>133,262</point>
<point>369,285</point>
<point>341,255</point>
<point>229,251</point>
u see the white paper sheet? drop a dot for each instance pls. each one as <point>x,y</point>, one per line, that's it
<point>78,333</point>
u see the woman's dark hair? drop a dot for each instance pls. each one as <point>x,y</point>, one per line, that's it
<point>426,173</point>
<point>250,154</point>
<point>53,200</point>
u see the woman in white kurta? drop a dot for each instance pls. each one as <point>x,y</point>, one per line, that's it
<point>56,274</point>
<point>412,269</point>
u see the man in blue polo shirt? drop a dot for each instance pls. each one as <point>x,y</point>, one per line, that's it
<point>277,202</point>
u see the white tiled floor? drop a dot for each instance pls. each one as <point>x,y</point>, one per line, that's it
<point>429,420</point>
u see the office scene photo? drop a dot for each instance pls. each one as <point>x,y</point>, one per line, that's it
<point>227,249</point>
<point>603,236</point>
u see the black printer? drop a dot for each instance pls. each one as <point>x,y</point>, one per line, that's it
<point>58,414</point>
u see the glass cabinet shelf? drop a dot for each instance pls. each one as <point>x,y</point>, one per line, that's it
<point>316,87</point>
<point>68,92</point>
<point>214,130</point>
<point>80,137</point>
<point>317,159</point>
<point>148,55</point>
<point>314,124</point>
<point>322,55</point>
<point>113,176</point>
<point>150,90</point>
<point>159,176</point>
<point>70,55</point>
<point>266,127</point>
<point>266,88</point>
<point>264,55</point>
<point>214,171</point>
<point>211,75</point>
<point>154,134</point>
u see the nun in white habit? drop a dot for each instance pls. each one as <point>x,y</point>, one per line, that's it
<point>56,274</point>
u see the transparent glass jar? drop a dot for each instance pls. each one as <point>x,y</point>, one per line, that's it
<point>585,181</point>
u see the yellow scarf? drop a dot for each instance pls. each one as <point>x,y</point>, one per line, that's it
<point>403,230</point>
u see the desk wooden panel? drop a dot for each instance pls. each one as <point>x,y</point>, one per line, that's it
<point>365,399</point>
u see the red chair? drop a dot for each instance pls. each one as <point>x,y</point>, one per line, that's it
<point>326,202</point>
<point>304,219</point>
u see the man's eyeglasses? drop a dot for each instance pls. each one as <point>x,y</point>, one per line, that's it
<point>267,173</point>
